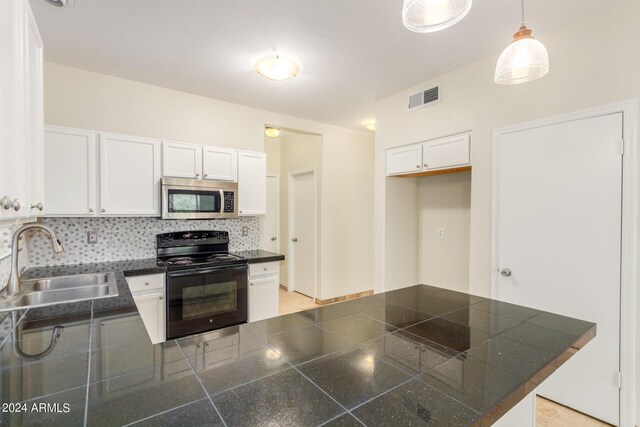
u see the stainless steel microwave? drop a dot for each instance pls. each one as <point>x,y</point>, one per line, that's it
<point>196,199</point>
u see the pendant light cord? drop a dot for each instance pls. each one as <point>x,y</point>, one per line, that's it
<point>522,12</point>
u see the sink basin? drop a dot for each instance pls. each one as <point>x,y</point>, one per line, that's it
<point>62,289</point>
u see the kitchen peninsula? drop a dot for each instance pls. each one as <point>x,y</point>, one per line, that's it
<point>412,356</point>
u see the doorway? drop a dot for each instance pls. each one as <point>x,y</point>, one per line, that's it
<point>560,244</point>
<point>302,232</point>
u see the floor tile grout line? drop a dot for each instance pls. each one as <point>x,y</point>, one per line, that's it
<point>380,395</point>
<point>201,385</point>
<point>86,395</point>
<point>163,412</point>
<point>52,394</point>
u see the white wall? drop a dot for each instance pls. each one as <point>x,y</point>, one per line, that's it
<point>594,62</point>
<point>444,201</point>
<point>83,99</point>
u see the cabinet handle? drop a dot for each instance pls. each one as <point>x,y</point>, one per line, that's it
<point>251,283</point>
<point>273,239</point>
<point>417,166</point>
<point>6,203</point>
<point>264,268</point>
<point>426,165</point>
<point>239,211</point>
<point>146,283</point>
<point>197,175</point>
<point>295,239</point>
<point>90,209</point>
<point>161,297</point>
<point>38,206</point>
<point>16,205</point>
<point>103,210</point>
<point>206,175</point>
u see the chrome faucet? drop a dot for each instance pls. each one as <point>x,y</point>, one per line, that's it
<point>13,286</point>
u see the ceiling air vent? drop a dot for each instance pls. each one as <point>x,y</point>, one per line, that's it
<point>423,98</point>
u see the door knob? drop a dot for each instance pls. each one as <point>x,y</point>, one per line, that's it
<point>505,272</point>
<point>295,239</point>
<point>274,239</point>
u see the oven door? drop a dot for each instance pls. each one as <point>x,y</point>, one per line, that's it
<point>199,202</point>
<point>204,300</point>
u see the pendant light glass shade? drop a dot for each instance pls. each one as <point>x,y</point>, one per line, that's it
<point>524,60</point>
<point>426,16</point>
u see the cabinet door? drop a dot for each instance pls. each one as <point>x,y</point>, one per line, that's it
<point>252,183</point>
<point>447,152</point>
<point>35,119</point>
<point>181,160</point>
<point>263,297</point>
<point>129,176</point>
<point>13,173</point>
<point>404,160</point>
<point>219,164</point>
<point>70,171</point>
<point>151,309</point>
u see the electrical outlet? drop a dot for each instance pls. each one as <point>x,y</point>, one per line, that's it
<point>92,237</point>
<point>245,231</point>
<point>440,233</point>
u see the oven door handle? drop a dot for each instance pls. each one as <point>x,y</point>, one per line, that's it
<point>208,270</point>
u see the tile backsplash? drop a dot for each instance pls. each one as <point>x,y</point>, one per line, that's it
<point>125,238</point>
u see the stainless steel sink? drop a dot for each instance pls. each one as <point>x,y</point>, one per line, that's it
<point>62,289</point>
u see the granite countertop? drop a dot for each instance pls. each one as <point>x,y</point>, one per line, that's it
<point>258,256</point>
<point>401,357</point>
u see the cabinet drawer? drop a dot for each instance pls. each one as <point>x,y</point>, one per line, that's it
<point>264,268</point>
<point>146,283</point>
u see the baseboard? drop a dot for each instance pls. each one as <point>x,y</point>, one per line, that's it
<point>283,287</point>
<point>343,298</point>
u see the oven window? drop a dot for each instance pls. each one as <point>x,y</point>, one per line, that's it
<point>208,300</point>
<point>187,201</point>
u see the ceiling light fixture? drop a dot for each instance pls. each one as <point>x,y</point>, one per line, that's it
<point>370,124</point>
<point>524,60</point>
<point>427,16</point>
<point>272,132</point>
<point>277,68</point>
<point>57,3</point>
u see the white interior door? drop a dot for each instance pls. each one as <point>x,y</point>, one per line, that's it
<point>271,221</point>
<point>302,233</point>
<point>558,229</point>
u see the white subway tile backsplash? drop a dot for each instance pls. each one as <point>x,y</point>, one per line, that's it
<point>126,238</point>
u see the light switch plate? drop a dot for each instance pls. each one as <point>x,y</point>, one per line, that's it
<point>440,233</point>
<point>245,231</point>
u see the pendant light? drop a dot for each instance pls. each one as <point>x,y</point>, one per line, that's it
<point>524,60</point>
<point>427,16</point>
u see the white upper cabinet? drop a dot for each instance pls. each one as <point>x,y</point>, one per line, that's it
<point>70,171</point>
<point>129,176</point>
<point>449,152</point>
<point>35,115</point>
<point>219,164</point>
<point>181,160</point>
<point>252,183</point>
<point>403,160</point>
<point>422,158</point>
<point>20,111</point>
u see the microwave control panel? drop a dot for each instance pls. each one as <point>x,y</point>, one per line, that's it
<point>229,202</point>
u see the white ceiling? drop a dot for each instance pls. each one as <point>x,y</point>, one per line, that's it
<point>351,52</point>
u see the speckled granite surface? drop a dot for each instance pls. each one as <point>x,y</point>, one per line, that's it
<point>415,356</point>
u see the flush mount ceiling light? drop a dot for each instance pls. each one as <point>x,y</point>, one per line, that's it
<point>524,60</point>
<point>275,67</point>
<point>427,16</point>
<point>370,124</point>
<point>57,3</point>
<point>272,132</point>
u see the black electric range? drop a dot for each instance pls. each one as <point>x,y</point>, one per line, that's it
<point>206,285</point>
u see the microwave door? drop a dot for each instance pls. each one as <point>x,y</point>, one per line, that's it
<point>187,203</point>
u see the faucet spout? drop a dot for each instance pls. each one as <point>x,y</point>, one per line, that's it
<point>13,286</point>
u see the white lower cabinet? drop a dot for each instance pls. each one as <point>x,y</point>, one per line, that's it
<point>264,284</point>
<point>149,293</point>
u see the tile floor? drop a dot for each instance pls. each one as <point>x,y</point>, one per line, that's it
<point>549,414</point>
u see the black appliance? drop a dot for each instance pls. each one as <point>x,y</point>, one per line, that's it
<point>206,285</point>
